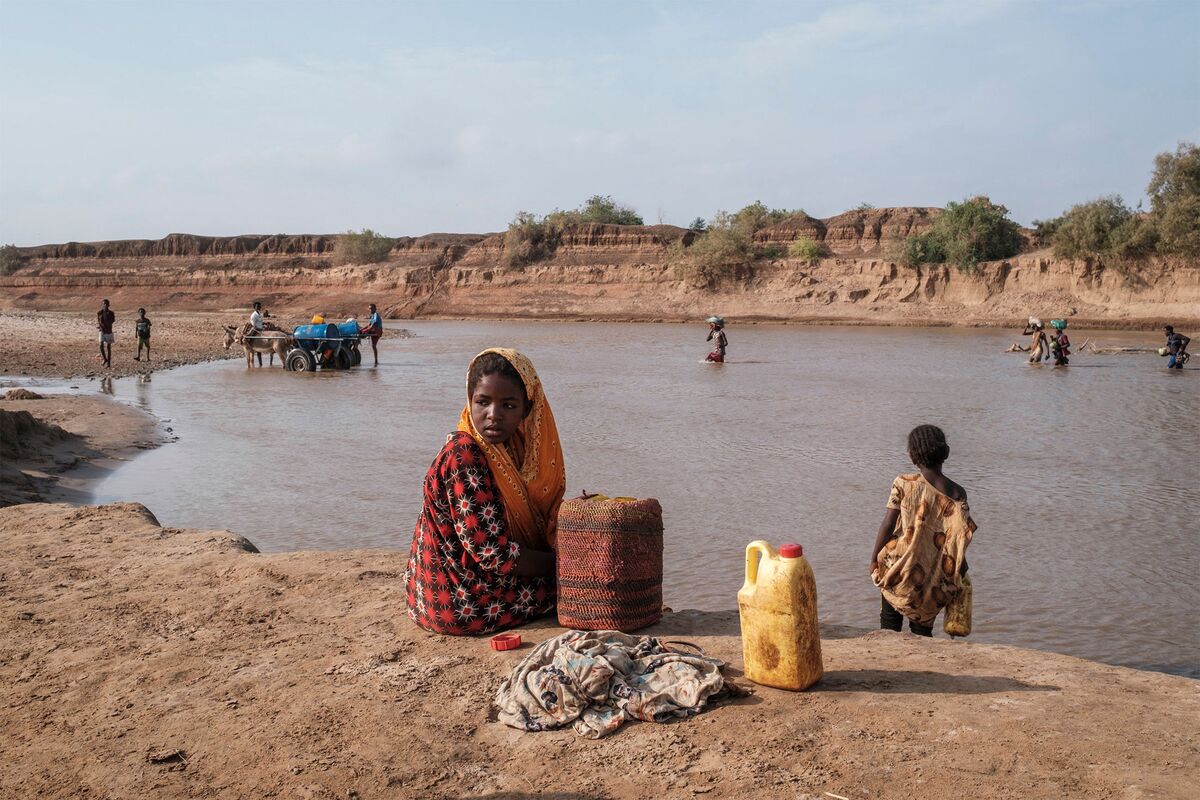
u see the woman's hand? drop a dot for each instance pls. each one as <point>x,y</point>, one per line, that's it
<point>874,568</point>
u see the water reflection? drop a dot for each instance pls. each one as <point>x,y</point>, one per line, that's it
<point>1080,478</point>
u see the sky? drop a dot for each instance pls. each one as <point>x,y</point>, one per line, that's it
<point>137,119</point>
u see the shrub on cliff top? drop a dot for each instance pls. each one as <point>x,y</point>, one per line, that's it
<point>965,234</point>
<point>364,247</point>
<point>1174,192</point>
<point>10,258</point>
<point>1108,229</point>
<point>530,238</point>
<point>603,209</point>
<point>1088,228</point>
<point>726,249</point>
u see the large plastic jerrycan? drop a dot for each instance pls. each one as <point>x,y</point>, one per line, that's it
<point>781,643</point>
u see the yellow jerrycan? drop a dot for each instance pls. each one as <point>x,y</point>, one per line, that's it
<point>957,621</point>
<point>781,643</point>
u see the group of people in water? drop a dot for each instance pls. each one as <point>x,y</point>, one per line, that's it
<point>1057,346</point>
<point>482,554</point>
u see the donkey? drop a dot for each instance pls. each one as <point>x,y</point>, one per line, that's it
<point>273,342</point>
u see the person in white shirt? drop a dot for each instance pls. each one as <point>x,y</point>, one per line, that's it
<point>256,318</point>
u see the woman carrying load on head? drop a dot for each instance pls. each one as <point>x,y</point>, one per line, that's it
<point>482,556</point>
<point>716,335</point>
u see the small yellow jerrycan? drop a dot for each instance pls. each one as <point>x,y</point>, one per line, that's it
<point>781,643</point>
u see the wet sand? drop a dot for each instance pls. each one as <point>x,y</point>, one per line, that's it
<point>142,661</point>
<point>73,441</point>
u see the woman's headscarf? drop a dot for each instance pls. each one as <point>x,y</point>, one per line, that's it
<point>528,468</point>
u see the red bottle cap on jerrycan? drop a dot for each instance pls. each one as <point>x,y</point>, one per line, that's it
<point>790,551</point>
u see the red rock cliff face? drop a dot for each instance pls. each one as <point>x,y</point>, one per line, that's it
<point>867,232</point>
<point>602,272</point>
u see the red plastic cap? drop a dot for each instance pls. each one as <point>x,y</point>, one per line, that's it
<point>790,550</point>
<point>506,641</point>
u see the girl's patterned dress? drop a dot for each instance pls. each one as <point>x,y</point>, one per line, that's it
<point>460,576</point>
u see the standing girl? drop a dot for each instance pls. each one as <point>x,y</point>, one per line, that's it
<point>919,556</point>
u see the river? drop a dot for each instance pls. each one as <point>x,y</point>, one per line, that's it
<point>1083,480</point>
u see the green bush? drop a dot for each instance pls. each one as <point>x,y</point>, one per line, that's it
<point>726,250</point>
<point>605,210</point>
<point>1044,230</point>
<point>1178,227</point>
<point>530,238</point>
<point>921,248</point>
<point>806,249</point>
<point>10,258</point>
<point>1088,228</point>
<point>965,234</point>
<point>698,224</point>
<point>364,247</point>
<point>1174,192</point>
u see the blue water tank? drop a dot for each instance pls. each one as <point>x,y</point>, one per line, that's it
<point>348,328</point>
<point>326,330</point>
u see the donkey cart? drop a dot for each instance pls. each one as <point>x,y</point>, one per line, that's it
<point>324,345</point>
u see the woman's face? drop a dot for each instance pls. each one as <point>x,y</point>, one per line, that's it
<point>497,407</point>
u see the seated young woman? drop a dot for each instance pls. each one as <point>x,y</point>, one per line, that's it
<point>482,554</point>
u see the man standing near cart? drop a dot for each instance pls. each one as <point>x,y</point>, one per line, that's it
<point>104,324</point>
<point>374,329</point>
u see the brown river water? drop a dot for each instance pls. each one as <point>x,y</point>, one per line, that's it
<point>1083,480</point>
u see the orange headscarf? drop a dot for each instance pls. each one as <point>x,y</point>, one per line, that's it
<point>528,468</point>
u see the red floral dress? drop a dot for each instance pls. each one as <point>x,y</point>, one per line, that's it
<point>460,576</point>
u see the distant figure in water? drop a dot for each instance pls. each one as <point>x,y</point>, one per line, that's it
<point>1037,345</point>
<point>482,556</point>
<point>919,555</point>
<point>716,335</point>
<point>1176,348</point>
<point>142,331</point>
<point>1060,349</point>
<point>374,329</point>
<point>104,324</point>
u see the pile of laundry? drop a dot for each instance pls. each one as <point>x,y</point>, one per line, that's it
<point>598,680</point>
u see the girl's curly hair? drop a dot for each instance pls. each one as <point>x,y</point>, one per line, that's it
<point>927,446</point>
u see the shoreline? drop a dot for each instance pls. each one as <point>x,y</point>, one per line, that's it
<point>59,345</point>
<point>300,675</point>
<point>75,441</point>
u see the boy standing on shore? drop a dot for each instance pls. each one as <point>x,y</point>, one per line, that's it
<point>104,323</point>
<point>142,330</point>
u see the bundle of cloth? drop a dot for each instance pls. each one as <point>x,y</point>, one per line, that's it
<point>598,680</point>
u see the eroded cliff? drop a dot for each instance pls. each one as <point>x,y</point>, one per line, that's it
<point>606,272</point>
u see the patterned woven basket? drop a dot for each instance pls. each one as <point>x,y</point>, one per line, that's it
<point>610,563</point>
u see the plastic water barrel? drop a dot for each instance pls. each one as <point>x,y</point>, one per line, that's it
<point>347,329</point>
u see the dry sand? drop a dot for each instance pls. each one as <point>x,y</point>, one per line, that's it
<point>64,344</point>
<point>141,661</point>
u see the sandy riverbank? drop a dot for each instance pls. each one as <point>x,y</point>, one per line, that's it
<point>54,448</point>
<point>139,661</point>
<point>63,344</point>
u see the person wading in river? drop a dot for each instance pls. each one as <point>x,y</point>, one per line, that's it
<point>1176,347</point>
<point>374,329</point>
<point>1037,345</point>
<point>716,335</point>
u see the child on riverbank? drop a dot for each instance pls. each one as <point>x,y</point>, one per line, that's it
<point>919,556</point>
<point>142,331</point>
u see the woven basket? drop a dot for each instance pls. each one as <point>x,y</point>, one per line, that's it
<point>610,563</point>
